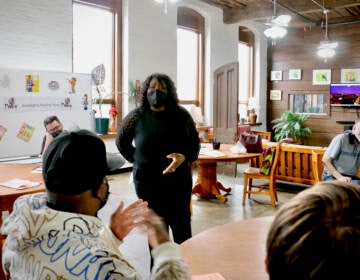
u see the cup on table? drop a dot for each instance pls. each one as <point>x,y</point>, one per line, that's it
<point>216,145</point>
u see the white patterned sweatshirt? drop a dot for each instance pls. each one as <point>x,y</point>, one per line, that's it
<point>43,243</point>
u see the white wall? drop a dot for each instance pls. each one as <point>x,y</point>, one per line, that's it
<point>151,45</point>
<point>38,35</point>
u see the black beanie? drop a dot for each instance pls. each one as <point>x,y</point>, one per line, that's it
<point>74,162</point>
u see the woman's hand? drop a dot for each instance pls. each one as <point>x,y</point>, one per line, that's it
<point>177,160</point>
<point>124,220</point>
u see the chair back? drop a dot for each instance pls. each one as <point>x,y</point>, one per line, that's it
<point>265,135</point>
<point>317,166</point>
<point>275,162</point>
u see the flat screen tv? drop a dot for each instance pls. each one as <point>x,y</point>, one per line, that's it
<point>345,95</point>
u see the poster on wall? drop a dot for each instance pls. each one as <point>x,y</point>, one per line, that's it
<point>25,132</point>
<point>27,97</point>
<point>275,94</point>
<point>276,75</point>
<point>350,75</point>
<point>295,74</point>
<point>321,77</point>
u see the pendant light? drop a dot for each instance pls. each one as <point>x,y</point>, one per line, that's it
<point>326,49</point>
<point>277,24</point>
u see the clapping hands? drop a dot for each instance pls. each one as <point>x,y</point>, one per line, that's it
<point>137,214</point>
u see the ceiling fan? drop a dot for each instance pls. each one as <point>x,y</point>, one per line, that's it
<point>277,25</point>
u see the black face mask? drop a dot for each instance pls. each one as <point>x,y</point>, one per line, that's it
<point>103,201</point>
<point>56,133</point>
<point>157,98</point>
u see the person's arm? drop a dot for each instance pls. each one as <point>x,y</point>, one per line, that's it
<point>191,137</point>
<point>333,150</point>
<point>125,136</point>
<point>191,143</point>
<point>48,140</point>
<point>166,254</point>
<point>327,161</point>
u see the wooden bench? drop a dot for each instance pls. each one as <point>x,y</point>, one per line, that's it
<point>296,163</point>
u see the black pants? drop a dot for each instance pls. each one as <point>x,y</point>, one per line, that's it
<point>169,196</point>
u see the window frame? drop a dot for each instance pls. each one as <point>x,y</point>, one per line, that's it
<point>326,96</point>
<point>191,20</point>
<point>115,6</point>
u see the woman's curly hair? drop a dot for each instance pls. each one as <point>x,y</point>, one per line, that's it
<point>172,98</point>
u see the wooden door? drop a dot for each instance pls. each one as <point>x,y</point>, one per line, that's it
<point>225,109</point>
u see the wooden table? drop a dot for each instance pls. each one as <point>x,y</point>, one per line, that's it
<point>235,250</point>
<point>10,171</point>
<point>206,185</point>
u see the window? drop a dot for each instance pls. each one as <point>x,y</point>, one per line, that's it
<point>245,71</point>
<point>246,62</point>
<point>309,103</point>
<point>95,40</point>
<point>190,65</point>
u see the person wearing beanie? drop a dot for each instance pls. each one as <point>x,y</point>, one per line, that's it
<point>57,234</point>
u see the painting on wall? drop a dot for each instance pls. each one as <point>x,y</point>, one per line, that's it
<point>295,74</point>
<point>276,75</point>
<point>275,94</point>
<point>350,75</point>
<point>321,77</point>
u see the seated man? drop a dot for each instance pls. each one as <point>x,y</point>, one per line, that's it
<point>342,157</point>
<point>316,235</point>
<point>57,234</point>
<point>54,127</point>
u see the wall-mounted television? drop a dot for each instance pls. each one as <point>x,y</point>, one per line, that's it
<point>345,95</point>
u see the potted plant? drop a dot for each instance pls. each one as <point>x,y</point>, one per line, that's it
<point>134,92</point>
<point>101,123</point>
<point>113,112</point>
<point>289,128</point>
<point>98,76</point>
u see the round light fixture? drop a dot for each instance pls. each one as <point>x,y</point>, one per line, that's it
<point>275,32</point>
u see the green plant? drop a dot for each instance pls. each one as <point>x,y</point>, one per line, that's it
<point>291,125</point>
<point>134,91</point>
<point>100,90</point>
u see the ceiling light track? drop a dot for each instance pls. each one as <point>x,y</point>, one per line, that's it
<point>293,11</point>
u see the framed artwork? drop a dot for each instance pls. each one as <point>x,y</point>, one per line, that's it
<point>321,77</point>
<point>350,75</point>
<point>295,74</point>
<point>276,75</point>
<point>275,94</point>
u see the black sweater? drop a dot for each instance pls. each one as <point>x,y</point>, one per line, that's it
<point>156,135</point>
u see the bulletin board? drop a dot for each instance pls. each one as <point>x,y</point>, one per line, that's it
<point>27,97</point>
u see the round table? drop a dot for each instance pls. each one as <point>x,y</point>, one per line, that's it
<point>207,185</point>
<point>235,250</point>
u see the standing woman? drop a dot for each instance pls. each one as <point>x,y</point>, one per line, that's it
<point>166,143</point>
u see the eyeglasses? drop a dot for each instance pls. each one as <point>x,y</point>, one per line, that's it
<point>55,128</point>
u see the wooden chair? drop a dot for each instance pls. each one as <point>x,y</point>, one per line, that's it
<point>317,166</point>
<point>252,173</point>
<point>264,134</point>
